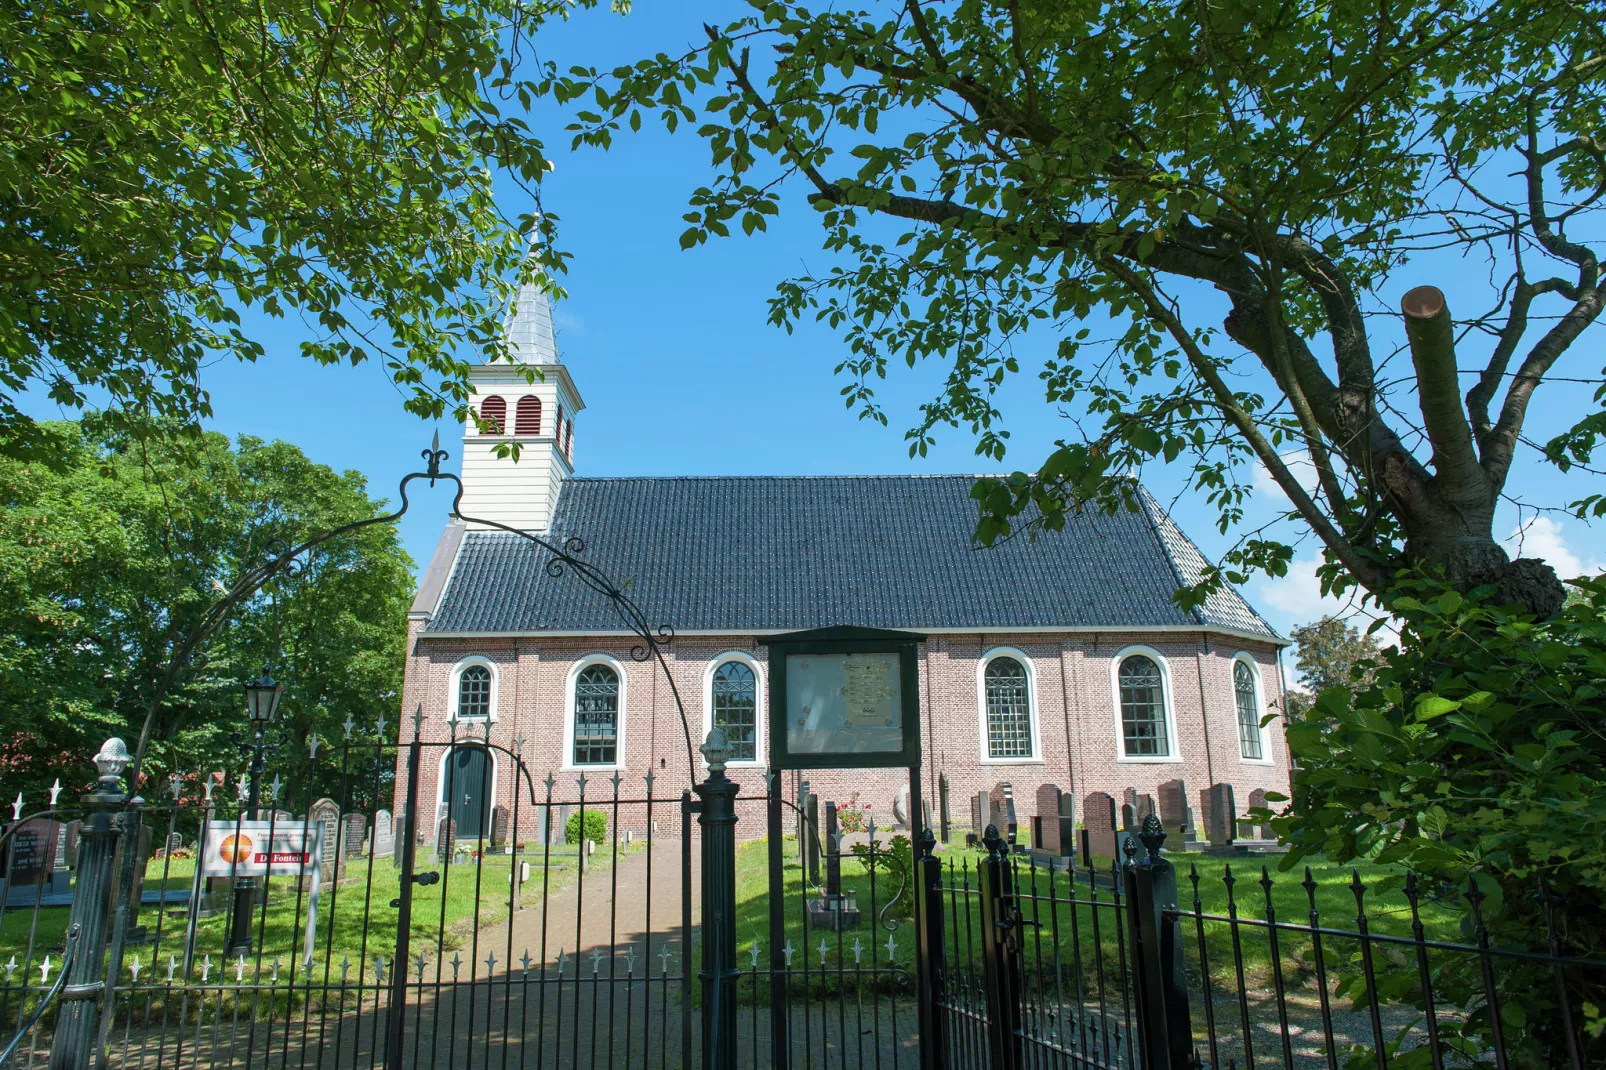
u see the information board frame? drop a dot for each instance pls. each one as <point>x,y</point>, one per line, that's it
<point>844,640</point>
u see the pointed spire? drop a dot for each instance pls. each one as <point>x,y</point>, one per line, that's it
<point>531,337</point>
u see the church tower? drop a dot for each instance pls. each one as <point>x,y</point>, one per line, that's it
<point>538,416</point>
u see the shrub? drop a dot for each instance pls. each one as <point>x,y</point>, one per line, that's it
<point>1476,753</point>
<point>596,827</point>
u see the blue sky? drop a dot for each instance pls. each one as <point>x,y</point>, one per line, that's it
<point>681,374</point>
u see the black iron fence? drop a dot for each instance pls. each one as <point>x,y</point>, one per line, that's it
<point>1042,963</point>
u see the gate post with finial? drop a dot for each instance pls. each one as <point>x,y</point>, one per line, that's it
<point>716,817</point>
<point>74,1042</point>
<point>1165,1027</point>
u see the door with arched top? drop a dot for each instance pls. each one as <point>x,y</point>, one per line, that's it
<point>468,779</point>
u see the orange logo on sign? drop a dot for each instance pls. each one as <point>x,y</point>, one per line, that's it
<point>236,848</point>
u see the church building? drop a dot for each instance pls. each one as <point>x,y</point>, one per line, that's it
<point>1057,661</point>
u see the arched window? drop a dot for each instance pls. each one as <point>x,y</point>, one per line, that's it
<point>735,709</point>
<point>493,410</point>
<point>1143,719</point>
<point>1009,711</point>
<point>474,693</point>
<point>596,716</point>
<point>527,418</point>
<point>1243,686</point>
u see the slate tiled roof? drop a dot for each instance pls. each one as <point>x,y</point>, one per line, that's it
<point>782,553</point>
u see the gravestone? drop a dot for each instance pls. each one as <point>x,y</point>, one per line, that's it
<point>833,855</point>
<point>498,827</point>
<point>384,842</point>
<point>353,832</point>
<point>445,840</point>
<point>1002,800</point>
<point>1098,810</point>
<point>900,806</point>
<point>1145,808</point>
<point>812,840</point>
<point>32,856</point>
<point>561,832</point>
<point>1260,830</point>
<point>1221,815</point>
<point>832,909</point>
<point>1054,827</point>
<point>398,831</point>
<point>174,842</point>
<point>802,823</point>
<point>283,818</point>
<point>1175,814</point>
<point>325,813</point>
<point>74,831</point>
<point>137,934</point>
<point>944,814</point>
<point>60,874</point>
<point>981,814</point>
<point>1129,817</point>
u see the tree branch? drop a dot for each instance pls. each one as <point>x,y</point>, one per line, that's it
<point>1431,335</point>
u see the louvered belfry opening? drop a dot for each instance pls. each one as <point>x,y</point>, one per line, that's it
<point>493,410</point>
<point>527,418</point>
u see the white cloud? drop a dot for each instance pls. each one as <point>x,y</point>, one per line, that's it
<point>1296,598</point>
<point>1544,537</point>
<point>1299,466</point>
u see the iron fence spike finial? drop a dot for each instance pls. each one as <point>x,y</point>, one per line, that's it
<point>276,969</point>
<point>788,951</point>
<point>754,952</point>
<point>525,960</point>
<point>822,949</point>
<point>44,971</point>
<point>133,968</point>
<point>418,721</point>
<point>490,962</point>
<point>55,790</point>
<point>379,729</point>
<point>16,808</point>
<point>239,968</point>
<point>172,967</point>
<point>892,948</point>
<point>11,968</point>
<point>596,961</point>
<point>275,787</point>
<point>173,787</point>
<point>349,726</point>
<point>858,951</point>
<point>312,746</point>
<point>206,968</point>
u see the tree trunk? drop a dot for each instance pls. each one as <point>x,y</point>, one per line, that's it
<point>1465,549</point>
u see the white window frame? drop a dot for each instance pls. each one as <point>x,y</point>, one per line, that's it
<point>440,782</point>
<point>761,738</point>
<point>568,715</point>
<point>1260,705</point>
<point>1033,720</point>
<point>1172,741</point>
<point>455,689</point>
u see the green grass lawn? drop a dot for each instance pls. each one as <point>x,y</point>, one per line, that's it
<point>355,920</point>
<point>1064,935</point>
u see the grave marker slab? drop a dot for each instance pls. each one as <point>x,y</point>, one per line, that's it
<point>1098,810</point>
<point>1002,800</point>
<point>384,837</point>
<point>326,813</point>
<point>1221,815</point>
<point>1175,813</point>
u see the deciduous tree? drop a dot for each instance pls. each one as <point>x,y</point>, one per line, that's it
<point>1245,188</point>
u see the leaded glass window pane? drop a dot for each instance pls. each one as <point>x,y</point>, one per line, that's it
<point>1243,685</point>
<point>474,693</point>
<point>1009,715</point>
<point>736,709</point>
<point>1143,708</point>
<point>596,716</point>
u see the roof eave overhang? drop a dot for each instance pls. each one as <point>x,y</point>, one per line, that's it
<point>1059,629</point>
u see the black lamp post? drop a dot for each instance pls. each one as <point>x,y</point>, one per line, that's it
<point>261,707</point>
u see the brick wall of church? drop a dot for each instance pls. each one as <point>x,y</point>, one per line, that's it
<point>1073,700</point>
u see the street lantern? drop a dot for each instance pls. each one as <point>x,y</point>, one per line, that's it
<point>262,699</point>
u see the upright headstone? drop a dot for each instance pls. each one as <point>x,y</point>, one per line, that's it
<point>981,814</point>
<point>353,833</point>
<point>498,827</point>
<point>445,840</point>
<point>802,824</point>
<point>384,837</point>
<point>1129,817</point>
<point>1146,807</point>
<point>398,833</point>
<point>1054,826</point>
<point>1002,802</point>
<point>1221,815</point>
<point>137,933</point>
<point>1260,830</point>
<point>174,842</point>
<point>32,854</point>
<point>325,813</point>
<point>944,814</point>
<point>74,831</point>
<point>60,873</point>
<point>1099,823</point>
<point>812,840</point>
<point>833,856</point>
<point>561,832</point>
<point>900,806</point>
<point>1175,813</point>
